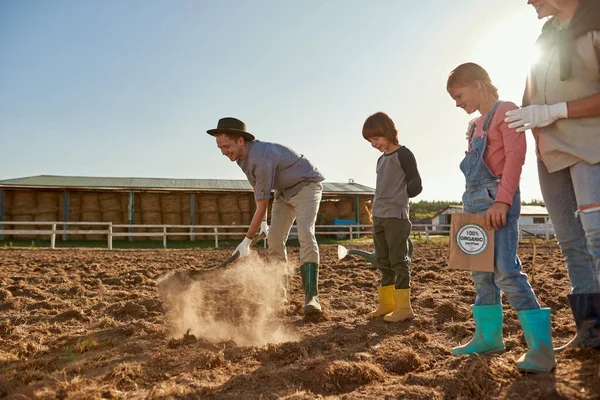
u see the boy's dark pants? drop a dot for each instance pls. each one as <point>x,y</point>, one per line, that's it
<point>391,237</point>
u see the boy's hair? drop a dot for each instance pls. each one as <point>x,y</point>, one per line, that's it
<point>469,74</point>
<point>380,125</point>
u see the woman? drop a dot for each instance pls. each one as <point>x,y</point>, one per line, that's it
<point>561,106</point>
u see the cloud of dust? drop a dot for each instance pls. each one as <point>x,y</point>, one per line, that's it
<point>243,302</point>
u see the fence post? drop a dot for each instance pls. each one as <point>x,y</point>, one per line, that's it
<point>164,237</point>
<point>427,234</point>
<point>53,236</point>
<point>216,237</point>
<point>351,234</point>
<point>110,236</point>
<point>192,214</point>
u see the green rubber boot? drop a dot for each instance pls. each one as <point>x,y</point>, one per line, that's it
<point>537,329</point>
<point>310,281</point>
<point>488,331</point>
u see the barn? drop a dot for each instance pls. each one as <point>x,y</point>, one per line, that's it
<point>156,201</point>
<point>534,220</point>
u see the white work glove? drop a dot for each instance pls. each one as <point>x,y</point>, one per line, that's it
<point>535,116</point>
<point>244,247</point>
<point>264,228</point>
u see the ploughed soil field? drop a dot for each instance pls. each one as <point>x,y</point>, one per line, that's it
<point>159,324</point>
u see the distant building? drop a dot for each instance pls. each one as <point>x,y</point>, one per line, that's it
<point>156,201</point>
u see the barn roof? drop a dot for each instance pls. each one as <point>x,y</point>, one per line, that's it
<point>159,184</point>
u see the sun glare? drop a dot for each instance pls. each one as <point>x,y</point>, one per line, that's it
<point>507,50</point>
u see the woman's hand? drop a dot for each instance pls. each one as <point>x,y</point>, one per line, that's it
<point>496,216</point>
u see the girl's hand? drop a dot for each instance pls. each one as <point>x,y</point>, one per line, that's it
<point>496,216</point>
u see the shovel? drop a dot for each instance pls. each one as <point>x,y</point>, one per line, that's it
<point>185,277</point>
<point>236,255</point>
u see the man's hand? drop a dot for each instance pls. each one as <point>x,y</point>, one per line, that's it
<point>264,228</point>
<point>496,216</point>
<point>536,116</point>
<point>244,247</point>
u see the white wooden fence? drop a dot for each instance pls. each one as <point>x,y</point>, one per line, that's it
<point>350,232</point>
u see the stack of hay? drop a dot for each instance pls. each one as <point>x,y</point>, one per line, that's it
<point>73,213</point>
<point>46,210</point>
<point>171,212</point>
<point>111,205</point>
<point>151,214</point>
<point>327,212</point>
<point>244,203</point>
<point>230,214</point>
<point>23,207</point>
<point>91,212</point>
<point>208,209</point>
<point>345,209</point>
<point>7,211</point>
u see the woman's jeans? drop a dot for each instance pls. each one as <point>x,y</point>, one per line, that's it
<point>572,197</point>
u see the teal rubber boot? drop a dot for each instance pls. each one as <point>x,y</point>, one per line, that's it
<point>310,281</point>
<point>488,331</point>
<point>537,329</point>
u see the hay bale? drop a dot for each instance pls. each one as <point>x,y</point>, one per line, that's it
<point>7,217</point>
<point>174,219</point>
<point>49,216</point>
<point>116,217</point>
<point>186,203</point>
<point>207,203</point>
<point>23,218</point>
<point>24,202</point>
<point>110,202</point>
<point>244,202</point>
<point>90,202</point>
<point>150,202</point>
<point>47,202</point>
<point>228,204</point>
<point>8,195</point>
<point>345,207</point>
<point>170,203</point>
<point>92,216</point>
<point>246,218</point>
<point>327,212</point>
<point>152,218</point>
<point>74,215</point>
<point>232,219</point>
<point>210,219</point>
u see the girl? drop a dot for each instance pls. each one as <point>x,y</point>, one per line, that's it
<point>492,168</point>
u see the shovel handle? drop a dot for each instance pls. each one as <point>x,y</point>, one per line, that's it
<point>236,254</point>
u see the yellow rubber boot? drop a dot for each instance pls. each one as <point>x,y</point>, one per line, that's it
<point>402,310</point>
<point>386,301</point>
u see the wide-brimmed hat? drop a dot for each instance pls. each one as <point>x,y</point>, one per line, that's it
<point>233,126</point>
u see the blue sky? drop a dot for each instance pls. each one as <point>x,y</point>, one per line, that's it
<point>129,87</point>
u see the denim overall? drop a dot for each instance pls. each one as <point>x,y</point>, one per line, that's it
<point>480,194</point>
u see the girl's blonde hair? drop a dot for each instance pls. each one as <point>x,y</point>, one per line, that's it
<point>469,74</point>
<point>380,125</point>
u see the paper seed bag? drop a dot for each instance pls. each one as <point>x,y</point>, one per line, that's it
<point>471,245</point>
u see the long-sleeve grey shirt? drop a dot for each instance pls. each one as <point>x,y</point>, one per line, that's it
<point>272,166</point>
<point>398,179</point>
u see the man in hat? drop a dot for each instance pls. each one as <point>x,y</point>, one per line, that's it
<point>298,188</point>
